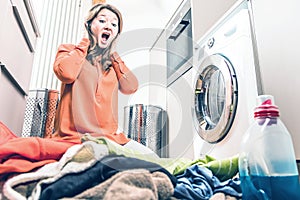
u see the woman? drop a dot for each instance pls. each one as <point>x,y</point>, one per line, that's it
<point>91,74</point>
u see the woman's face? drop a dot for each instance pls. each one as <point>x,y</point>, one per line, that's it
<point>105,27</point>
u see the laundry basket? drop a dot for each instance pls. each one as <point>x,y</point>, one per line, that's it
<point>35,113</point>
<point>147,124</point>
<point>41,105</point>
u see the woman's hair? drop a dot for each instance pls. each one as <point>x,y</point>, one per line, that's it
<point>94,50</point>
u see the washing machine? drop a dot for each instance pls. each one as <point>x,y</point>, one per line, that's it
<point>226,85</point>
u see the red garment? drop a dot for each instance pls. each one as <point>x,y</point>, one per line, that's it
<point>19,155</point>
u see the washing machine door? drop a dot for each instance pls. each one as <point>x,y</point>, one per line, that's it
<point>215,98</point>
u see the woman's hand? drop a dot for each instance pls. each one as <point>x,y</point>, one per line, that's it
<point>128,83</point>
<point>115,57</point>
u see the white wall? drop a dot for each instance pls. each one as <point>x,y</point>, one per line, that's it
<point>277,30</point>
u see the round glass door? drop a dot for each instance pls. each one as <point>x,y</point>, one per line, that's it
<point>215,98</point>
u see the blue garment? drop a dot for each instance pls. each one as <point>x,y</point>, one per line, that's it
<point>198,182</point>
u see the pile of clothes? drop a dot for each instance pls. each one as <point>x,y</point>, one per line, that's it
<point>99,168</point>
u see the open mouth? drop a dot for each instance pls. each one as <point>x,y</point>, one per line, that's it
<point>105,37</point>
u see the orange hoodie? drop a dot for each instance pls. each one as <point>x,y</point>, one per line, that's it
<point>89,95</point>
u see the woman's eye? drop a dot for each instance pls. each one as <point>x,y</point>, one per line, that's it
<point>102,21</point>
<point>114,25</point>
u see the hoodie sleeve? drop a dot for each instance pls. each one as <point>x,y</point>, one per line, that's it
<point>69,59</point>
<point>128,82</point>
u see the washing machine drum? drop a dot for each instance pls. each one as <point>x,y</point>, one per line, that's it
<point>215,101</point>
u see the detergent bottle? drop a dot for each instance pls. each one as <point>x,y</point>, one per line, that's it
<point>267,161</point>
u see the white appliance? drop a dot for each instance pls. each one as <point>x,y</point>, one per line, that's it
<point>179,42</point>
<point>226,84</point>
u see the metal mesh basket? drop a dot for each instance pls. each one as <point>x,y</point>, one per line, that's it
<point>40,111</point>
<point>35,113</point>
<point>146,124</point>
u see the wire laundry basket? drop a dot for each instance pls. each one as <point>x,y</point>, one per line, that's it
<point>147,124</point>
<point>41,105</point>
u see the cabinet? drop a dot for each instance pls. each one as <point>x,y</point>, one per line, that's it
<point>18,36</point>
<point>180,111</point>
<point>206,13</point>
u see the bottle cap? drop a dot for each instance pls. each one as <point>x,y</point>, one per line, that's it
<point>266,107</point>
